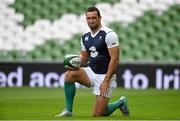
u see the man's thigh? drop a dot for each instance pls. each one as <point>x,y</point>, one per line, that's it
<point>79,76</point>
<point>100,106</point>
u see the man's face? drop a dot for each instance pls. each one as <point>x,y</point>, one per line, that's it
<point>93,20</point>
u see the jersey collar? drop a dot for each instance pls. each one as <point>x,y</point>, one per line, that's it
<point>93,35</point>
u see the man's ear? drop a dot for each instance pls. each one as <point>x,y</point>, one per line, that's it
<point>100,17</point>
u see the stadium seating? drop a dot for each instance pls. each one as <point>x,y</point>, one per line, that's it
<point>46,30</point>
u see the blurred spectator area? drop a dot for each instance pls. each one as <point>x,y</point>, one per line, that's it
<point>46,30</point>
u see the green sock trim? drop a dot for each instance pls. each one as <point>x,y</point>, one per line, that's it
<point>113,106</point>
<point>69,90</point>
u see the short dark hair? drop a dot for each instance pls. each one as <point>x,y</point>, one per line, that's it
<point>93,8</point>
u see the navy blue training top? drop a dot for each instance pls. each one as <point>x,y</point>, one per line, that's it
<point>97,46</point>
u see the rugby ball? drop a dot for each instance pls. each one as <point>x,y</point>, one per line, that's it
<point>72,62</point>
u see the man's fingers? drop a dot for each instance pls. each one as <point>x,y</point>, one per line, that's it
<point>103,91</point>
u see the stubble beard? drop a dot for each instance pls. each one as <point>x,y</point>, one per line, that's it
<point>94,28</point>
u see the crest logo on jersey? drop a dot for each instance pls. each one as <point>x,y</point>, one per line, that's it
<point>100,37</point>
<point>86,38</point>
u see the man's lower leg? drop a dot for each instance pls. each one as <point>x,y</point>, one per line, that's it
<point>113,106</point>
<point>69,90</point>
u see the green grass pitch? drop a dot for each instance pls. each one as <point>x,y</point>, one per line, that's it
<point>43,103</point>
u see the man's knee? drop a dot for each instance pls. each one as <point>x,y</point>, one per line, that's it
<point>71,75</point>
<point>98,113</point>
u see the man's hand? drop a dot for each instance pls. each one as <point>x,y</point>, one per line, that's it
<point>104,88</point>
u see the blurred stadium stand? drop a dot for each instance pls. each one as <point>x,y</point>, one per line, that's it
<point>46,30</point>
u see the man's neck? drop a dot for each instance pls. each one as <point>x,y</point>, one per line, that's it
<point>95,30</point>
